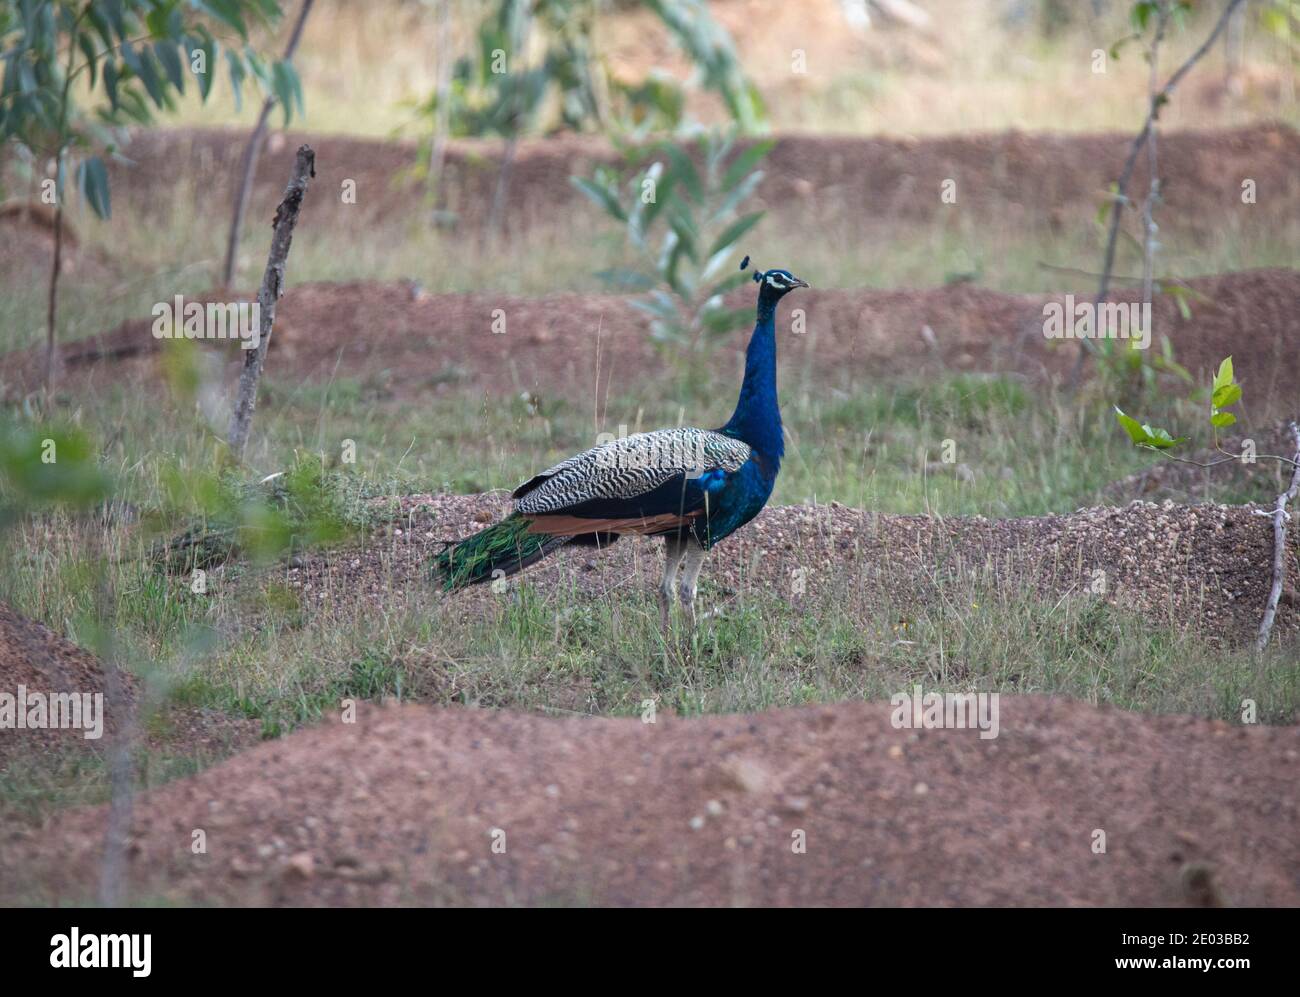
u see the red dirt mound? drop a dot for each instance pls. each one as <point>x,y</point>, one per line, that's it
<point>851,184</point>
<point>410,344</point>
<point>27,246</point>
<point>829,805</point>
<point>33,656</point>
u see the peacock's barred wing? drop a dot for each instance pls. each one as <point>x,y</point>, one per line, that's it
<point>628,467</point>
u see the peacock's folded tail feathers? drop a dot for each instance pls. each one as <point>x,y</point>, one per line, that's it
<point>506,547</point>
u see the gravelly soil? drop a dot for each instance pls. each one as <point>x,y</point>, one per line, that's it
<point>1208,567</point>
<point>402,806</point>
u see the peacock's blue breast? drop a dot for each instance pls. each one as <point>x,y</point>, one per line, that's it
<point>736,500</point>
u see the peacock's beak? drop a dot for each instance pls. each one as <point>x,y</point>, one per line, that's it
<point>800,283</point>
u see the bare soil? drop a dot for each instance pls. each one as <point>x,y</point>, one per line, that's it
<point>27,247</point>
<point>404,806</point>
<point>405,344</point>
<point>852,183</point>
<point>33,656</point>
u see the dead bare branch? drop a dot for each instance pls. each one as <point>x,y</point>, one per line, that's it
<point>286,217</point>
<point>1280,516</point>
<point>1120,195</point>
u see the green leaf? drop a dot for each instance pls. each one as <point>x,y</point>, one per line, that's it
<point>746,161</point>
<point>156,21</point>
<point>86,42</point>
<point>738,195</point>
<point>1224,377</point>
<point>227,12</point>
<point>729,283</point>
<point>663,195</point>
<point>628,280</point>
<point>658,304</point>
<point>117,19</point>
<point>683,170</point>
<point>602,196</point>
<point>237,75</point>
<point>97,21</point>
<point>202,42</point>
<point>284,84</point>
<point>735,231</point>
<point>1144,435</point>
<point>92,181</point>
<point>1227,395</point>
<point>719,321</point>
<point>148,73</point>
<point>110,82</point>
<point>1221,419</point>
<point>1160,438</point>
<point>42,466</point>
<point>1179,294</point>
<point>170,60</point>
<point>688,235</point>
<point>1131,426</point>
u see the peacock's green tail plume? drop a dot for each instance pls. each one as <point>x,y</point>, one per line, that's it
<point>506,546</point>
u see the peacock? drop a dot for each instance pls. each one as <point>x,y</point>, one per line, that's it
<point>693,487</point>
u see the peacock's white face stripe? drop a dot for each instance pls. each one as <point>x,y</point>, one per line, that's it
<point>780,280</point>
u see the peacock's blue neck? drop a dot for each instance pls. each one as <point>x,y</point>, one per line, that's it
<point>757,419</point>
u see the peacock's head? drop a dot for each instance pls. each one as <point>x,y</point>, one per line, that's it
<point>775,283</point>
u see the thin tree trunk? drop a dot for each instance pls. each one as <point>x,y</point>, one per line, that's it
<point>502,192</point>
<point>501,195</point>
<point>121,793</point>
<point>1279,548</point>
<point>59,194</point>
<point>1158,100</point>
<point>442,110</point>
<point>1153,167</point>
<point>248,164</point>
<point>1234,52</point>
<point>112,873</point>
<point>286,217</point>
<point>52,311</point>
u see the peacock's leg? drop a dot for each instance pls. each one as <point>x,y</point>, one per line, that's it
<point>673,550</point>
<point>691,565</point>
